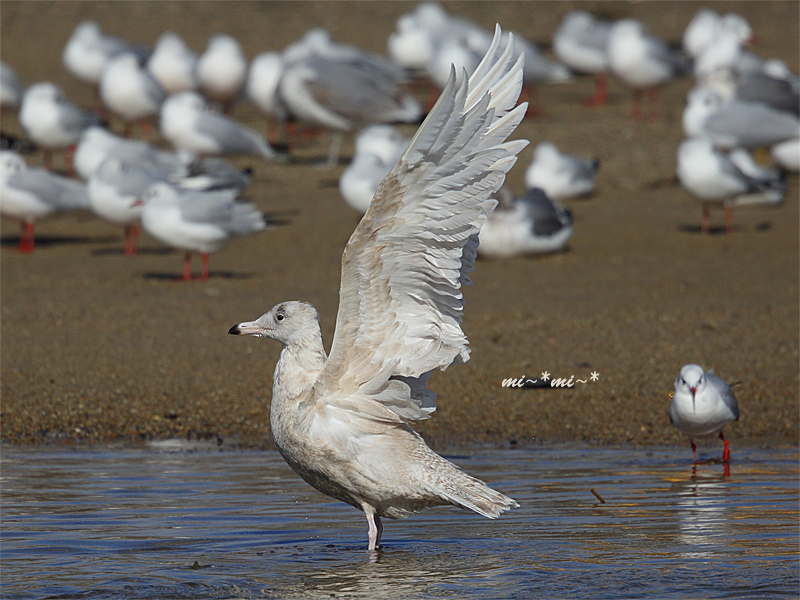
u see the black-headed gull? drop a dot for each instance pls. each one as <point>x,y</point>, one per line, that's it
<point>113,190</point>
<point>581,43</point>
<point>642,62</point>
<point>703,405</point>
<point>188,124</point>
<point>195,221</point>
<point>173,64</point>
<point>530,224</point>
<point>560,175</point>
<point>50,120</point>
<point>31,194</point>
<point>713,178</point>
<point>129,91</point>
<point>222,71</point>
<point>342,422</point>
<point>701,31</point>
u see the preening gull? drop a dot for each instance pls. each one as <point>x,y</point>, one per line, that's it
<point>341,422</point>
<point>195,221</point>
<point>703,405</point>
<point>713,178</point>
<point>560,175</point>
<point>531,224</point>
<point>31,194</point>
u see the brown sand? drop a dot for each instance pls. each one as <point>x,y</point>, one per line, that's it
<point>98,346</point>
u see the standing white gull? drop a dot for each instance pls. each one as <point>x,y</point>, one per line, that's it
<point>581,43</point>
<point>703,405</point>
<point>531,224</point>
<point>342,88</point>
<point>701,31</point>
<point>341,422</point>
<point>173,64</point>
<point>113,190</point>
<point>194,221</point>
<point>188,124</point>
<point>88,51</point>
<point>31,194</point>
<point>642,62</point>
<point>711,177</point>
<point>50,120</point>
<point>222,71</point>
<point>129,91</point>
<point>560,175</point>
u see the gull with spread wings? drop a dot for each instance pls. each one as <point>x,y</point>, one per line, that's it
<point>342,422</point>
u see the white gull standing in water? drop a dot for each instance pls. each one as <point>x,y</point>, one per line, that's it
<point>341,422</point>
<point>703,405</point>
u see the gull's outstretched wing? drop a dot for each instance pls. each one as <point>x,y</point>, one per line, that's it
<point>400,302</point>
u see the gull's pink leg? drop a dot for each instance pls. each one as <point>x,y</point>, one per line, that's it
<point>728,219</point>
<point>134,238</point>
<point>204,261</point>
<point>187,267</point>
<point>26,239</point>
<point>600,87</point>
<point>706,218</point>
<point>694,450</point>
<point>375,530</point>
<point>726,453</point>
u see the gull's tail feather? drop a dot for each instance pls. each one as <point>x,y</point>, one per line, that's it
<point>467,492</point>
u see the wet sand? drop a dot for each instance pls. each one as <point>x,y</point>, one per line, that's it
<point>98,346</point>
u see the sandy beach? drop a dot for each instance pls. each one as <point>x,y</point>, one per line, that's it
<point>100,347</point>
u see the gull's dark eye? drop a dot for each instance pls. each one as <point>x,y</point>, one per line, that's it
<point>279,317</point>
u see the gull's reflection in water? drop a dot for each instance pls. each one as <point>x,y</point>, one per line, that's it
<point>703,506</point>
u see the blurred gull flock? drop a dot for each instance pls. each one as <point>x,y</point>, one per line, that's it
<point>225,108</point>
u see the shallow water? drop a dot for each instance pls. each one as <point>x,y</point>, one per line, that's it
<point>169,521</point>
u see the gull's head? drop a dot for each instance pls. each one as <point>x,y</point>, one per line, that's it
<point>11,163</point>
<point>691,379</point>
<point>290,323</point>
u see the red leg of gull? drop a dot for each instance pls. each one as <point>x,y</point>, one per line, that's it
<point>652,101</point>
<point>726,453</point>
<point>694,450</point>
<point>26,239</point>
<point>146,130</point>
<point>636,105</point>
<point>728,219</point>
<point>706,218</point>
<point>187,267</point>
<point>600,90</point>
<point>48,159</point>
<point>204,261</point>
<point>131,239</point>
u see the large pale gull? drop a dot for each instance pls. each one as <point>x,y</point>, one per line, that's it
<point>342,422</point>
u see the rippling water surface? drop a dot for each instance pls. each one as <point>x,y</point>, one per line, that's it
<point>172,521</point>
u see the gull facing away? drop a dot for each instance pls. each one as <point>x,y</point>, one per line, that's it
<point>713,178</point>
<point>581,43</point>
<point>31,194</point>
<point>173,64</point>
<point>130,92</point>
<point>703,405</point>
<point>531,224</point>
<point>342,422</point>
<point>195,221</point>
<point>188,124</point>
<point>560,175</point>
